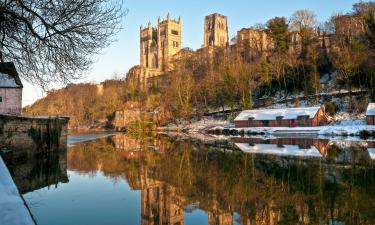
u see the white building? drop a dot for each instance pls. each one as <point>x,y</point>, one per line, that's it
<point>10,90</point>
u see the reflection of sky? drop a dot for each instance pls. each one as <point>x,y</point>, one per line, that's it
<point>195,217</point>
<point>86,199</point>
<point>290,150</point>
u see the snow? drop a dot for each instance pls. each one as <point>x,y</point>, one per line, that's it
<point>371,151</point>
<point>12,208</point>
<point>349,119</point>
<point>370,109</point>
<point>271,114</point>
<point>273,149</point>
<point>7,81</point>
<point>198,126</point>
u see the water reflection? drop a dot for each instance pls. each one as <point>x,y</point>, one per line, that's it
<point>32,172</point>
<point>182,182</point>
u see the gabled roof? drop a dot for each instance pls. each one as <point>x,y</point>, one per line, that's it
<point>272,114</point>
<point>9,77</point>
<point>370,109</point>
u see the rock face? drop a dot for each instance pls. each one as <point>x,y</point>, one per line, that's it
<point>32,135</point>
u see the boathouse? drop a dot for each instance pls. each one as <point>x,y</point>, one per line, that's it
<point>288,117</point>
<point>370,114</point>
<point>10,90</point>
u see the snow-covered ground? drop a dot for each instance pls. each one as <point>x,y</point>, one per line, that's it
<point>12,208</point>
<point>198,126</point>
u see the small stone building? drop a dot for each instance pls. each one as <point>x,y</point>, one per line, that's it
<point>288,117</point>
<point>10,90</point>
<point>128,113</point>
<point>370,114</point>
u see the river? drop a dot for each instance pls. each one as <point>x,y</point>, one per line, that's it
<point>158,179</point>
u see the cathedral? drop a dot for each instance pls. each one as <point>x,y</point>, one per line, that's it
<point>158,45</point>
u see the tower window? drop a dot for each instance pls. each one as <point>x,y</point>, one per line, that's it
<point>174,32</point>
<point>175,44</point>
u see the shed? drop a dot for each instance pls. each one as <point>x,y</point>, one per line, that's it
<point>370,114</point>
<point>288,117</point>
<point>10,90</point>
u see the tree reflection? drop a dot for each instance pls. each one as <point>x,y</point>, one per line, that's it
<point>262,189</point>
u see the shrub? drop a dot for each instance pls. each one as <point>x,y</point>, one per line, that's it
<point>331,108</point>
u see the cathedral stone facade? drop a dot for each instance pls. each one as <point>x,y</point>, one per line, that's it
<point>216,31</point>
<point>158,45</point>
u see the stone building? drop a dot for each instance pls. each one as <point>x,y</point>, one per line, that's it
<point>158,45</point>
<point>252,43</point>
<point>10,90</point>
<point>127,114</point>
<point>216,31</point>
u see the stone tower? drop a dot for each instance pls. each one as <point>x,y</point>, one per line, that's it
<point>159,44</point>
<point>216,31</point>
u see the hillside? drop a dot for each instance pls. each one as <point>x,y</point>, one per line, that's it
<point>86,104</point>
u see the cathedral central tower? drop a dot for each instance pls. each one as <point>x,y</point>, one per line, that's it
<point>216,30</point>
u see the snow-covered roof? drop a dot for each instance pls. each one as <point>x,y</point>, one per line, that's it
<point>271,114</point>
<point>370,109</point>
<point>371,152</point>
<point>273,149</point>
<point>7,81</point>
<point>8,76</point>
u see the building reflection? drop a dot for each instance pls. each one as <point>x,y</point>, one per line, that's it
<point>232,188</point>
<point>33,172</point>
<point>284,146</point>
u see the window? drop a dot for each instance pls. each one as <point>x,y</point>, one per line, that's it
<point>174,32</point>
<point>1,98</point>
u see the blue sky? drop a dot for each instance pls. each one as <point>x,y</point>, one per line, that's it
<point>124,53</point>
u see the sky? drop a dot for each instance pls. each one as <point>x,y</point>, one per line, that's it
<point>123,54</point>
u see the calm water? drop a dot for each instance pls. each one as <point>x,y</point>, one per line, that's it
<point>159,180</point>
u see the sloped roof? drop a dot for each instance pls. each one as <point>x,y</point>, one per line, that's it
<point>271,114</point>
<point>370,109</point>
<point>371,152</point>
<point>8,76</point>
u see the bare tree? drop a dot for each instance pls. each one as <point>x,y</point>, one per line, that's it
<point>303,19</point>
<point>54,40</point>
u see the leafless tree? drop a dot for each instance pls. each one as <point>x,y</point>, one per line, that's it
<point>54,40</point>
<point>303,19</point>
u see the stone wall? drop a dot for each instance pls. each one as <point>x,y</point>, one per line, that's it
<point>32,135</point>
